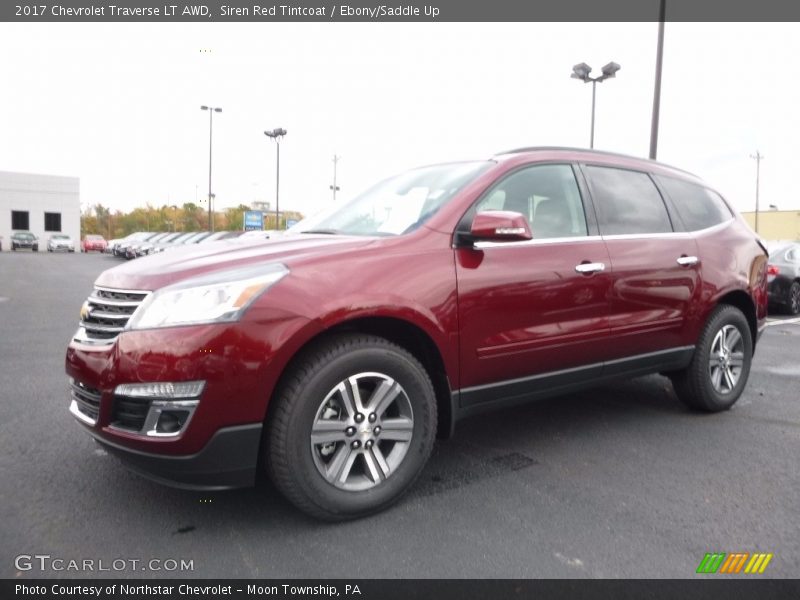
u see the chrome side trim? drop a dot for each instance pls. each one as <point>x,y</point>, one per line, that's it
<point>539,242</point>
<point>679,235</point>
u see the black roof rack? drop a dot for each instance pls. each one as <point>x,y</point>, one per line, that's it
<point>592,151</point>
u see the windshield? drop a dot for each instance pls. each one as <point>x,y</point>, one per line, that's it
<point>60,237</point>
<point>397,205</point>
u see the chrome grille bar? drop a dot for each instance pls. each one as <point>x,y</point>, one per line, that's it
<point>105,314</point>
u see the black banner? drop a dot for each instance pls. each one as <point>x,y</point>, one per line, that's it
<point>258,11</point>
<point>375,589</point>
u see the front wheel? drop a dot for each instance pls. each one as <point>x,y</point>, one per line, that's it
<point>352,426</point>
<point>718,373</point>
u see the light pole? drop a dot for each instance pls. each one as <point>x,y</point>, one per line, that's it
<point>277,134</point>
<point>662,11</point>
<point>211,110</point>
<point>581,71</point>
<point>758,158</point>
<point>335,187</point>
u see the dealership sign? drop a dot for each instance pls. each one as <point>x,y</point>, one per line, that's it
<point>253,220</point>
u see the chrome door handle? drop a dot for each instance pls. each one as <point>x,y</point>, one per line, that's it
<point>688,261</point>
<point>588,268</point>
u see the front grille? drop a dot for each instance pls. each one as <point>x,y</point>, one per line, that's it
<point>129,413</point>
<point>86,399</point>
<point>105,314</point>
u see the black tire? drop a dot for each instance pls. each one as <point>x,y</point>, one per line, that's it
<point>695,386</point>
<point>793,299</point>
<point>302,401</point>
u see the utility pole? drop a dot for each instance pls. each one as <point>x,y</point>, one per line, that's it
<point>335,187</point>
<point>758,157</point>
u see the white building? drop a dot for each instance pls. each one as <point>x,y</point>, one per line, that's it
<point>41,204</point>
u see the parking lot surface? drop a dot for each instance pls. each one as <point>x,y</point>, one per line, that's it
<point>619,481</point>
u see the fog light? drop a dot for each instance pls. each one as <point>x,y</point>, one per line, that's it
<point>172,421</point>
<point>169,406</point>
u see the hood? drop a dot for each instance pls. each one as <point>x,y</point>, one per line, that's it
<point>175,264</point>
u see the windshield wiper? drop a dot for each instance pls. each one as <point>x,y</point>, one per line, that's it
<point>323,231</point>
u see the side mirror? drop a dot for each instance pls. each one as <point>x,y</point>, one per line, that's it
<point>500,226</point>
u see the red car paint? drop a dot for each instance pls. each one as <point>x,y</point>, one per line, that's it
<point>489,315</point>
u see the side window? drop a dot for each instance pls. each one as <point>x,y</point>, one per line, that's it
<point>547,195</point>
<point>698,207</point>
<point>627,202</point>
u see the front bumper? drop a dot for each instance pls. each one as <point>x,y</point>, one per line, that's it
<point>229,460</point>
<point>219,446</point>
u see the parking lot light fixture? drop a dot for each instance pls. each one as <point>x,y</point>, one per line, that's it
<point>582,72</point>
<point>211,110</point>
<point>276,134</point>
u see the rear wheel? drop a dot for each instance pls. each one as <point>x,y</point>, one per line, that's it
<point>718,373</point>
<point>353,425</point>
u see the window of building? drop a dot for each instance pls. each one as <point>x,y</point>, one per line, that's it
<point>628,202</point>
<point>20,220</point>
<point>52,221</point>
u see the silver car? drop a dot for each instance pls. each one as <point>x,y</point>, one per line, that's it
<point>60,242</point>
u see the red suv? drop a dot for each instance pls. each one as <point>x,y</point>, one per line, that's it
<point>335,355</point>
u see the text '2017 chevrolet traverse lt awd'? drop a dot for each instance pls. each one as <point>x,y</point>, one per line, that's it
<point>335,355</point>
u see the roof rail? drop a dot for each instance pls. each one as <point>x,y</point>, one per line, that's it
<point>592,151</point>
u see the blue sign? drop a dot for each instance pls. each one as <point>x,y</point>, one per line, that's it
<point>253,220</point>
<point>291,222</point>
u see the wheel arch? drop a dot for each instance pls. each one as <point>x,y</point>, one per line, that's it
<point>741,300</point>
<point>408,336</point>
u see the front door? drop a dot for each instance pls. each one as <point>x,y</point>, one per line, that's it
<point>533,314</point>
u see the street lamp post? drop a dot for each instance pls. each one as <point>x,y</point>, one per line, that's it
<point>277,134</point>
<point>211,110</point>
<point>335,187</point>
<point>581,71</point>
<point>758,157</point>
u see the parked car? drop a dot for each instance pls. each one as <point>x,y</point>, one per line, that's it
<point>335,355</point>
<point>124,246</point>
<point>783,275</point>
<point>24,239</point>
<point>60,242</point>
<point>93,242</point>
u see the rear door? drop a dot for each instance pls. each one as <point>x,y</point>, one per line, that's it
<point>532,312</point>
<point>654,268</point>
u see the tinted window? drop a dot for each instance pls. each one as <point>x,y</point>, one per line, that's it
<point>627,202</point>
<point>697,206</point>
<point>547,195</point>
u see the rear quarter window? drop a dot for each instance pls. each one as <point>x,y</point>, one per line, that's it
<point>697,206</point>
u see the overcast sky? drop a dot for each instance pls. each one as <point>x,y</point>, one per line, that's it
<point>118,105</point>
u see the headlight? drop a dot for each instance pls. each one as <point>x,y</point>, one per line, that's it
<point>216,298</point>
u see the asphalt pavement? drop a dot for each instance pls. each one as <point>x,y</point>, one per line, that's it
<point>618,481</point>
